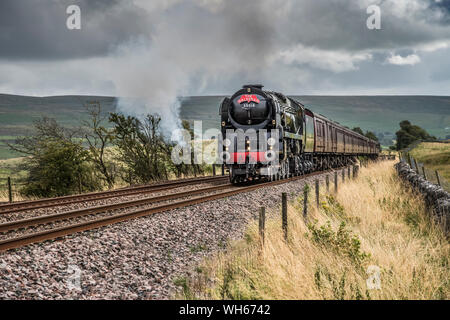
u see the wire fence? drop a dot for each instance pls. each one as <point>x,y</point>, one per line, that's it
<point>10,190</point>
<point>428,174</point>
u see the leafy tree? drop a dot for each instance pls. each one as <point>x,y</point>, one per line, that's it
<point>57,163</point>
<point>184,168</point>
<point>409,133</point>
<point>358,130</point>
<point>59,168</point>
<point>99,138</point>
<point>142,147</point>
<point>371,135</point>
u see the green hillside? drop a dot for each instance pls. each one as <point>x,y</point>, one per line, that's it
<point>380,114</point>
<point>17,114</point>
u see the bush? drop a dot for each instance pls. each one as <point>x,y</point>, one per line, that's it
<point>340,241</point>
<point>57,169</point>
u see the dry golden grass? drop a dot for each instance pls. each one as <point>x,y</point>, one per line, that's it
<point>434,156</point>
<point>386,225</point>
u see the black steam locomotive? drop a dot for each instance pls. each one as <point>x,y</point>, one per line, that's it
<point>268,135</point>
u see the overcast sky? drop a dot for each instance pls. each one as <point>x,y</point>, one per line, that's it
<point>161,49</point>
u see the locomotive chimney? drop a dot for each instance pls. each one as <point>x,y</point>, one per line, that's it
<point>256,86</point>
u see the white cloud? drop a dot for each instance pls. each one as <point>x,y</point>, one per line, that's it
<point>411,60</point>
<point>434,46</point>
<point>335,61</point>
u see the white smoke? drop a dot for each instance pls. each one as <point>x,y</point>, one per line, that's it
<point>183,53</point>
<point>194,46</point>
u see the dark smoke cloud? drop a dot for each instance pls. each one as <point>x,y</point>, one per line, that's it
<point>37,29</point>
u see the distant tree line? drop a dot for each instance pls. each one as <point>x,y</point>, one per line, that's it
<point>62,161</point>
<point>407,134</point>
<point>368,134</point>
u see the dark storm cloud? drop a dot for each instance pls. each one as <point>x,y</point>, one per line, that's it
<point>37,29</point>
<point>161,49</point>
<point>341,24</point>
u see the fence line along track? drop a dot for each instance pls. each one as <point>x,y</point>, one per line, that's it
<point>19,241</point>
<point>53,202</point>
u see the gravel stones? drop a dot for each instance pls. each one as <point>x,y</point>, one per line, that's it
<point>135,259</point>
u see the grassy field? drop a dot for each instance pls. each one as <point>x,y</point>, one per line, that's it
<point>11,168</point>
<point>373,229</point>
<point>434,156</point>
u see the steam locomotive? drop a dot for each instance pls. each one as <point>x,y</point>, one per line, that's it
<point>267,135</point>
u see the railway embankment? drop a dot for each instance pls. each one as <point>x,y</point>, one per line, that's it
<point>142,258</point>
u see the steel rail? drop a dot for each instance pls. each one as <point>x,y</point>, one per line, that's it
<point>59,201</point>
<point>43,219</point>
<point>16,242</point>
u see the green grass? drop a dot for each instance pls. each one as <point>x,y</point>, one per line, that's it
<point>434,156</point>
<point>11,168</point>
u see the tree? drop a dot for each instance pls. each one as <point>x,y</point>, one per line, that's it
<point>371,135</point>
<point>410,133</point>
<point>142,147</point>
<point>184,168</point>
<point>358,130</point>
<point>99,138</point>
<point>45,129</point>
<point>60,168</point>
<point>57,164</point>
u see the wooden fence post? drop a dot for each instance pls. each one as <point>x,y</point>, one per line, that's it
<point>348,172</point>
<point>305,202</point>
<point>262,223</point>
<point>343,175</point>
<point>327,182</point>
<point>317,193</point>
<point>438,178</point>
<point>10,196</point>
<point>417,167</point>
<point>214,169</point>
<point>284,214</point>
<point>424,173</point>
<point>335,182</point>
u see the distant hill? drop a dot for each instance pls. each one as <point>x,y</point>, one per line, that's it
<point>380,114</point>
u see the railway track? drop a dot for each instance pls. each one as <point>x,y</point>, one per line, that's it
<point>60,201</point>
<point>218,192</point>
